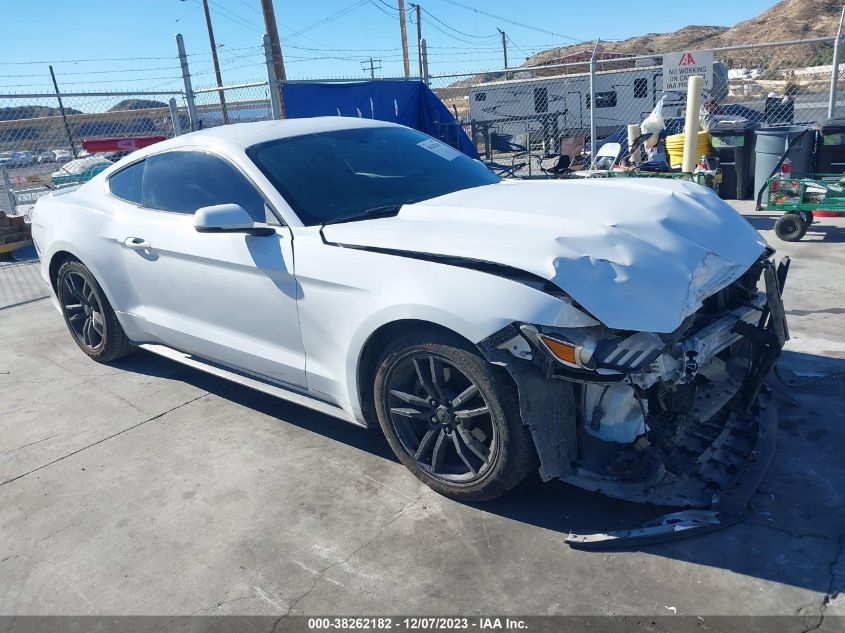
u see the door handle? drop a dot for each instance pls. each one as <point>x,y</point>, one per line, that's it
<point>138,243</point>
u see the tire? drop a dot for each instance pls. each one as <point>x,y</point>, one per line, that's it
<point>88,314</point>
<point>461,434</point>
<point>790,227</point>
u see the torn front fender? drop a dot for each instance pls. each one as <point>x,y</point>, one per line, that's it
<point>710,434</point>
<point>546,406</point>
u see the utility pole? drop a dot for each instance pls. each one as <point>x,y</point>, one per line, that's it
<point>193,119</point>
<point>419,36</point>
<point>424,63</point>
<point>373,67</point>
<point>504,45</point>
<point>276,51</point>
<point>834,76</point>
<point>216,62</point>
<point>64,116</point>
<point>404,38</point>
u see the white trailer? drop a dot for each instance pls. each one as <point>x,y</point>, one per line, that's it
<point>550,107</point>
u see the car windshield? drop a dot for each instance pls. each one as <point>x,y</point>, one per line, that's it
<point>340,175</point>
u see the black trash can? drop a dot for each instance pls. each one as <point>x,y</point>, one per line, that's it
<point>733,144</point>
<point>830,147</point>
<point>780,111</point>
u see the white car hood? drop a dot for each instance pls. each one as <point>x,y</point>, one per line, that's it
<point>639,254</point>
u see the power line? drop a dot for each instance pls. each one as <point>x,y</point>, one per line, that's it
<point>389,6</point>
<point>434,17</point>
<point>76,61</point>
<point>390,15</point>
<point>96,72</point>
<point>234,17</point>
<point>517,46</point>
<point>521,24</point>
<point>330,18</point>
<point>123,43</point>
<point>447,34</point>
<point>250,6</point>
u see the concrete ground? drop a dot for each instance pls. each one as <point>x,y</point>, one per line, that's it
<point>147,488</point>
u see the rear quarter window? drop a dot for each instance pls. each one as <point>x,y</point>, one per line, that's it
<point>126,183</point>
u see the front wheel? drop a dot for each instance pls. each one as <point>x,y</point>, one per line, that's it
<point>88,314</point>
<point>451,419</point>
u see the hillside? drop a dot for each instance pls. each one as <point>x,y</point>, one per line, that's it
<point>15,113</point>
<point>787,20</point>
<point>136,104</point>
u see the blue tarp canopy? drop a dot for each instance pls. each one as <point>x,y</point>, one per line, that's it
<point>406,102</point>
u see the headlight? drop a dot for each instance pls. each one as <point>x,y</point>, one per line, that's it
<point>597,349</point>
<point>567,353</point>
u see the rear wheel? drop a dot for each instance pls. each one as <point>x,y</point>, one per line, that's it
<point>790,227</point>
<point>450,419</point>
<point>88,314</point>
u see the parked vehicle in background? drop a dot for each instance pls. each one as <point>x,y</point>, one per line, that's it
<point>46,156</point>
<point>18,159</point>
<point>79,170</point>
<point>615,334</point>
<point>62,155</point>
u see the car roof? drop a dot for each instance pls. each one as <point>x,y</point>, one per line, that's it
<point>242,135</point>
<point>247,134</point>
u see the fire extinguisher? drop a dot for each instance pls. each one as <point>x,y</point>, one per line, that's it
<point>786,168</point>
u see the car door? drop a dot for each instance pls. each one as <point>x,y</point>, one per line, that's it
<point>226,297</point>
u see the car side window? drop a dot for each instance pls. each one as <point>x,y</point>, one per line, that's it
<point>126,183</point>
<point>184,181</point>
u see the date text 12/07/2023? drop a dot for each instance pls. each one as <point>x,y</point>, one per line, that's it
<point>416,623</point>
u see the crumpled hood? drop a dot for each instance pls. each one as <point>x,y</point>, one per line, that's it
<point>639,254</point>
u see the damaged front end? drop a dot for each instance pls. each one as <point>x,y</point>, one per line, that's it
<point>672,419</point>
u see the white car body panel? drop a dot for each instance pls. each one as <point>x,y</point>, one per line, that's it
<point>347,294</point>
<point>639,254</point>
<point>297,309</point>
<point>230,296</point>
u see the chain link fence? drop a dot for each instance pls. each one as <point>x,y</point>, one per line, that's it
<point>242,103</point>
<point>520,118</point>
<point>42,140</point>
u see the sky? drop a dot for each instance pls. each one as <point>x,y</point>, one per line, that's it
<point>116,45</point>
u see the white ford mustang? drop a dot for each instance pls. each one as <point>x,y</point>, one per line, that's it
<point>610,333</point>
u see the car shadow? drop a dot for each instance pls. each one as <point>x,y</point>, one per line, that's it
<point>819,231</point>
<point>796,515</point>
<point>152,365</point>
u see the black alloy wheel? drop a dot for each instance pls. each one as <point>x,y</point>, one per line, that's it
<point>451,417</point>
<point>88,314</point>
<point>83,310</point>
<point>441,418</point>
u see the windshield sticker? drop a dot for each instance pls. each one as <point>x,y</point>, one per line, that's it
<point>441,149</point>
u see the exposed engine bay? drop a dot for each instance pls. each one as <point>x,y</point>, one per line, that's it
<point>669,419</point>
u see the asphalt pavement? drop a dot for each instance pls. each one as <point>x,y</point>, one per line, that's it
<point>145,487</point>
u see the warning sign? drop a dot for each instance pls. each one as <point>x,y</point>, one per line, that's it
<point>678,67</point>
